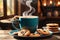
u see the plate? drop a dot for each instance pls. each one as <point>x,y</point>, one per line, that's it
<point>12,32</point>
<point>57,33</point>
<point>54,33</point>
<point>30,38</point>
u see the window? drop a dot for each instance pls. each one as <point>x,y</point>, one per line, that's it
<point>1,8</point>
<point>7,8</point>
<point>10,7</point>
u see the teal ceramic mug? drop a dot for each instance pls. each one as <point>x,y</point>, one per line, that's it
<point>28,22</point>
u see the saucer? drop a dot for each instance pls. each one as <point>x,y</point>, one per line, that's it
<point>32,38</point>
<point>12,32</point>
<point>15,31</point>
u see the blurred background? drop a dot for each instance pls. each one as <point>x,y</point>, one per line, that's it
<point>47,10</point>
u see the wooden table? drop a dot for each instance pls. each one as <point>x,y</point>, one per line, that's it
<point>4,35</point>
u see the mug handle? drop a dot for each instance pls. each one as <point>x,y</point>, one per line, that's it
<point>14,25</point>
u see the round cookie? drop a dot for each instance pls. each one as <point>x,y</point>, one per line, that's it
<point>24,32</point>
<point>45,32</point>
<point>34,35</point>
<point>53,27</point>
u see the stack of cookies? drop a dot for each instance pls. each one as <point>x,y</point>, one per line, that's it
<point>53,27</point>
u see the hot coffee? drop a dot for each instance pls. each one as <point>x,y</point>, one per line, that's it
<point>28,22</point>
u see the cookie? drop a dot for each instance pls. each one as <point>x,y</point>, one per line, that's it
<point>41,31</point>
<point>34,35</point>
<point>24,32</point>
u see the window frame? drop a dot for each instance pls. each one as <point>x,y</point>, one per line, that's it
<point>5,10</point>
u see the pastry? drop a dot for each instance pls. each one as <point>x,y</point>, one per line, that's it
<point>34,35</point>
<point>41,31</point>
<point>53,27</point>
<point>24,32</point>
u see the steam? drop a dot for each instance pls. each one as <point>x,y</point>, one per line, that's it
<point>31,10</point>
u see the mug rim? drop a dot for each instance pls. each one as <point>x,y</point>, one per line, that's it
<point>28,17</point>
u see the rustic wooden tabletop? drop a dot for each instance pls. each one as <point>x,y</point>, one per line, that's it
<point>4,35</point>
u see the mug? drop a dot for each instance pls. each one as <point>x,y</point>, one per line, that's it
<point>27,22</point>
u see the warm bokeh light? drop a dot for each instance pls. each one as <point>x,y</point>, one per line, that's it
<point>56,13</point>
<point>58,2</point>
<point>51,2</point>
<point>44,4</point>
